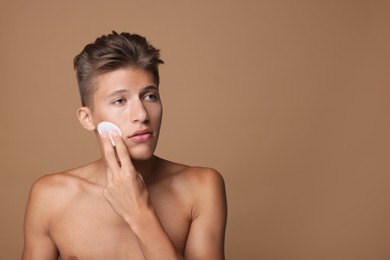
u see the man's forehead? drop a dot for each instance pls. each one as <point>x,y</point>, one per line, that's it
<point>125,79</point>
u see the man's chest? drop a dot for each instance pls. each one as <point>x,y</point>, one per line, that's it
<point>88,228</point>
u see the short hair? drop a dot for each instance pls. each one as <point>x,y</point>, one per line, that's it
<point>111,52</point>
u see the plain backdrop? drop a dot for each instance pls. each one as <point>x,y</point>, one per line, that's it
<point>288,99</point>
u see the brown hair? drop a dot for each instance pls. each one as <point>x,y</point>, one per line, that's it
<point>111,52</point>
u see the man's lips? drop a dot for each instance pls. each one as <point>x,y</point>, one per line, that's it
<point>141,135</point>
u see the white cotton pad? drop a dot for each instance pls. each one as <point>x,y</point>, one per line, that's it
<point>108,127</point>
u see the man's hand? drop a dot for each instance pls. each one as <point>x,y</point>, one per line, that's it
<point>127,194</point>
<point>125,191</point>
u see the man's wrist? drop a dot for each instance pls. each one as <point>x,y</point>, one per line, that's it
<point>143,220</point>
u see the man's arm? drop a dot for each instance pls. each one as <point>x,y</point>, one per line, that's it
<point>206,238</point>
<point>37,242</point>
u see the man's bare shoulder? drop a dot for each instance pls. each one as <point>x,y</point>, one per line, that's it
<point>194,179</point>
<point>60,186</point>
<point>205,182</point>
<point>202,191</point>
<point>182,172</point>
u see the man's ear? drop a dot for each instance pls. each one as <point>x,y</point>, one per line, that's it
<point>84,115</point>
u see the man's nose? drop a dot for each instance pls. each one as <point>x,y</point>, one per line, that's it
<point>138,112</point>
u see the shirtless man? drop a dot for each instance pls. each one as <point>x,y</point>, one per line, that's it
<point>129,204</point>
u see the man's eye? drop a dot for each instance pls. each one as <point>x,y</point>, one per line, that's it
<point>119,101</point>
<point>151,97</point>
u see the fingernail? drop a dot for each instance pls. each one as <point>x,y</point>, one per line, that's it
<point>114,133</point>
<point>103,134</point>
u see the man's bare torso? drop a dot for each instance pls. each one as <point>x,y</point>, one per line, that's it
<point>83,225</point>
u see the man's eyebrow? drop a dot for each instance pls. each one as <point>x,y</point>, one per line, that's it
<point>151,87</point>
<point>125,91</point>
<point>117,92</point>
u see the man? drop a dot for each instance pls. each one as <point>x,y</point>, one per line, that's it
<point>129,204</point>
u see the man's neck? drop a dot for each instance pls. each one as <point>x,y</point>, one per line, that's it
<point>146,168</point>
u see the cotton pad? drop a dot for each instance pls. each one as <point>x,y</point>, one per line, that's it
<point>108,127</point>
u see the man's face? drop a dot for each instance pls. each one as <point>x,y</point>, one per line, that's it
<point>129,98</point>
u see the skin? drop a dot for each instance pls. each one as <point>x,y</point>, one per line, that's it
<point>142,207</point>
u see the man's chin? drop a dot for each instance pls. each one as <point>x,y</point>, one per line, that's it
<point>141,158</point>
<point>141,155</point>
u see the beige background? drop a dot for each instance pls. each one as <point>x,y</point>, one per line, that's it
<point>289,100</point>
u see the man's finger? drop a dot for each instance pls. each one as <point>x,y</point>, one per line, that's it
<point>109,152</point>
<point>122,152</point>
